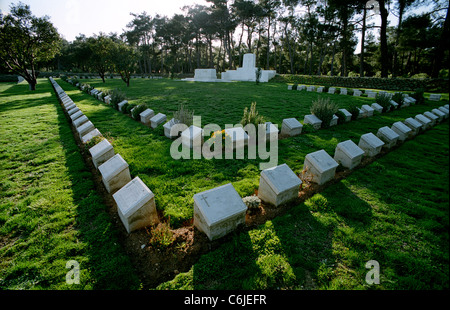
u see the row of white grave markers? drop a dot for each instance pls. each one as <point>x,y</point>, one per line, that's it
<point>356,92</point>
<point>135,201</point>
<point>146,117</point>
<point>220,210</point>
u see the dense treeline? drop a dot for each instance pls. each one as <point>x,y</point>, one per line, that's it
<point>290,36</point>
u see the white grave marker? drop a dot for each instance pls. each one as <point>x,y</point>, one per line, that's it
<point>348,154</point>
<point>319,167</point>
<point>313,120</point>
<point>115,173</point>
<point>414,125</point>
<point>370,144</point>
<point>403,131</point>
<point>388,136</point>
<point>291,127</point>
<point>157,120</point>
<point>426,122</point>
<point>101,152</point>
<point>278,185</point>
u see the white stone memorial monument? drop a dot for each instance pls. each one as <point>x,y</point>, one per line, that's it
<point>370,144</point>
<point>348,154</point>
<point>313,120</point>
<point>115,173</point>
<point>291,127</point>
<point>403,131</point>
<point>388,136</point>
<point>319,167</point>
<point>101,152</point>
<point>157,120</point>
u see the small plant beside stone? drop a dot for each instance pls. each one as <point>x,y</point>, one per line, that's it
<point>252,203</point>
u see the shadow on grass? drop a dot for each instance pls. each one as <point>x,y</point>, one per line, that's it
<point>110,267</point>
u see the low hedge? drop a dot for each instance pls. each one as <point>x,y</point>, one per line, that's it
<point>429,85</point>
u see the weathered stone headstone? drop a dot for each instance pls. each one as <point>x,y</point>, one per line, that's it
<point>310,88</point>
<point>331,90</point>
<point>403,131</point>
<point>334,120</point>
<point>76,115</point>
<point>439,114</point>
<point>377,107</point>
<point>238,136</point>
<point>433,118</point>
<point>205,75</point>
<point>313,120</point>
<point>271,128</point>
<point>157,120</point>
<point>444,110</point>
<point>388,136</point>
<point>371,94</point>
<point>368,109</point>
<point>85,128</point>
<point>70,106</point>
<point>301,87</point>
<point>348,115</point>
<point>291,127</point>
<point>218,211</point>
<point>101,152</point>
<point>290,87</point>
<point>107,99</point>
<point>146,116</point>
<point>192,136</point>
<point>370,144</point>
<point>425,121</point>
<point>121,104</point>
<point>348,154</point>
<point>320,89</point>
<point>319,167</point>
<point>80,121</point>
<point>362,113</point>
<point>73,111</point>
<point>91,134</point>
<point>115,173</point>
<point>343,91</point>
<point>168,126</point>
<point>136,205</point>
<point>357,93</point>
<point>435,97</point>
<point>394,104</point>
<point>414,125</point>
<point>278,185</point>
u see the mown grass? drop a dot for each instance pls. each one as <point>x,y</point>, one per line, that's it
<point>394,211</point>
<point>50,211</point>
<point>174,182</point>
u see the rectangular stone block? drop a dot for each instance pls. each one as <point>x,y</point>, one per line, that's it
<point>319,167</point>
<point>357,93</point>
<point>313,120</point>
<point>414,125</point>
<point>115,173</point>
<point>136,205</point>
<point>334,120</point>
<point>425,121</point>
<point>72,111</point>
<point>362,113</point>
<point>192,136</point>
<point>444,110</point>
<point>290,87</point>
<point>238,136</point>
<point>394,104</point>
<point>348,115</point>
<point>80,121</point>
<point>310,88</point>
<point>388,136</point>
<point>368,109</point>
<point>278,185</point>
<point>371,94</point>
<point>101,152</point>
<point>319,89</point>
<point>85,128</point>
<point>435,97</point>
<point>343,91</point>
<point>218,211</point>
<point>331,90</point>
<point>377,107</point>
<point>433,118</point>
<point>370,144</point>
<point>76,115</point>
<point>301,87</point>
<point>271,128</point>
<point>348,154</point>
<point>121,104</point>
<point>70,106</point>
<point>403,131</point>
<point>168,126</point>
<point>291,127</point>
<point>91,134</point>
<point>157,120</point>
<point>439,114</point>
<point>146,116</point>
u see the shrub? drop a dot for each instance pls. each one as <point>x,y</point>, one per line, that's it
<point>117,96</point>
<point>341,117</point>
<point>258,75</point>
<point>294,87</point>
<point>185,116</point>
<point>161,236</point>
<point>252,202</point>
<point>384,100</point>
<point>418,95</point>
<point>308,128</point>
<point>124,108</point>
<point>354,110</point>
<point>252,116</point>
<point>324,110</point>
<point>398,97</point>
<point>138,110</point>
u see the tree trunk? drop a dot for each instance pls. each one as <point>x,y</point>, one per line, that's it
<point>383,40</point>
<point>291,58</point>
<point>268,45</point>
<point>332,59</point>
<point>363,35</point>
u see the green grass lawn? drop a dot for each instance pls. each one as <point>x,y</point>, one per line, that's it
<point>394,211</point>
<point>50,212</point>
<point>174,182</point>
